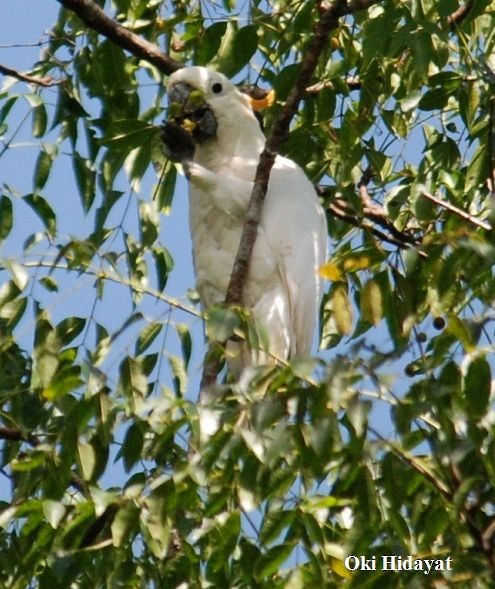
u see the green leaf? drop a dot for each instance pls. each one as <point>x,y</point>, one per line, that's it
<point>411,101</point>
<point>163,265</point>
<point>164,192</point>
<point>270,562</point>
<point>49,283</point>
<point>110,198</point>
<point>185,343</point>
<point>342,309</point>
<point>28,462</point>
<point>65,380</point>
<point>236,49</point>
<point>39,121</point>
<point>372,302</point>
<point>54,512</point>
<point>478,168</point>
<point>210,42</point>
<point>13,311</point>
<point>477,387</point>
<point>150,223</point>
<point>179,374</point>
<point>460,330</point>
<point>133,446</point>
<point>46,352</point>
<point>45,212</point>
<point>85,178</point>
<point>68,329</point>
<point>6,216</point>
<point>275,523</point>
<point>87,459</point>
<point>156,522</point>
<point>125,521</point>
<point>7,107</point>
<point>469,99</point>
<point>132,378</point>
<point>434,99</point>
<point>147,337</point>
<point>42,169</point>
<point>221,324</point>
<point>126,134</point>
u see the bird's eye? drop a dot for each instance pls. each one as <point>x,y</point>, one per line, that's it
<point>217,87</point>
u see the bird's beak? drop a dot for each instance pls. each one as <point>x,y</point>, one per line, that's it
<point>179,93</point>
<point>189,109</point>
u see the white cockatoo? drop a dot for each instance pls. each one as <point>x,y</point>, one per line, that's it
<point>214,133</point>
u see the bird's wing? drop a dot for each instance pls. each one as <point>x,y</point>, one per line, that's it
<point>295,227</point>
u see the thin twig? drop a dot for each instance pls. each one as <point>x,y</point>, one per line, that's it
<point>456,17</point>
<point>457,211</point>
<point>376,213</point>
<point>13,434</point>
<point>352,83</point>
<point>341,214</point>
<point>363,192</point>
<point>491,144</point>
<point>373,212</point>
<point>45,81</point>
<point>112,276</point>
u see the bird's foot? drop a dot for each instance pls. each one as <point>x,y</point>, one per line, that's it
<point>178,143</point>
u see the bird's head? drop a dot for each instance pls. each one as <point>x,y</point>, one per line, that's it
<point>203,101</point>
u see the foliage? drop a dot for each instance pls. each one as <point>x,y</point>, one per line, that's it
<point>112,474</point>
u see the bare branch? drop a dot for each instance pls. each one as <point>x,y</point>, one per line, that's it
<point>364,219</point>
<point>11,434</point>
<point>45,81</point>
<point>342,214</point>
<point>377,214</point>
<point>89,12</point>
<point>352,82</point>
<point>363,190</point>
<point>458,212</point>
<point>460,14</point>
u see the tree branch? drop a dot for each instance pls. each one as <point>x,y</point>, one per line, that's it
<point>460,14</point>
<point>342,214</point>
<point>90,13</point>
<point>45,81</point>
<point>13,434</point>
<point>352,82</point>
<point>377,214</point>
<point>279,132</point>
<point>342,210</point>
<point>457,211</point>
<point>329,20</point>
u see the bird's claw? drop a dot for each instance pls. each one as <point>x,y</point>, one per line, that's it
<point>178,143</point>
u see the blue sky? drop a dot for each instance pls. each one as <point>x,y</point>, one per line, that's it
<point>76,295</point>
<point>17,165</point>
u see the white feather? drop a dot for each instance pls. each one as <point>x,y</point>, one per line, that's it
<point>283,287</point>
